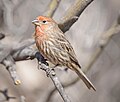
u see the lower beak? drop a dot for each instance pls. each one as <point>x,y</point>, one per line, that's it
<point>36,22</point>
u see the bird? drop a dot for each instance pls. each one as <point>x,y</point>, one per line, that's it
<point>54,46</point>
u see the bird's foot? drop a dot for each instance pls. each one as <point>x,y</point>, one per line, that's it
<point>41,59</point>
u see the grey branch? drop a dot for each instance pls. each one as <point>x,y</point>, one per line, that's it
<point>9,63</point>
<point>25,54</point>
<point>56,82</point>
<point>65,85</point>
<point>72,14</point>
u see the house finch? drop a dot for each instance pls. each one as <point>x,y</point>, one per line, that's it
<point>53,45</point>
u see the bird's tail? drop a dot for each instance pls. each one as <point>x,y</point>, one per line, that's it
<point>85,79</point>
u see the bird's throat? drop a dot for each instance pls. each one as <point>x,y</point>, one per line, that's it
<point>39,32</point>
<point>40,35</point>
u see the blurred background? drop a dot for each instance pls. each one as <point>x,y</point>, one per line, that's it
<point>85,36</point>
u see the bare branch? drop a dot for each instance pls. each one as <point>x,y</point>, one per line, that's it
<point>52,8</point>
<point>53,90</point>
<point>9,63</point>
<point>56,82</point>
<point>72,14</point>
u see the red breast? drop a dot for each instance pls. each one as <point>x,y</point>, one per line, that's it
<point>40,35</point>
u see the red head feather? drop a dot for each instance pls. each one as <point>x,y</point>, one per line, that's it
<point>44,18</point>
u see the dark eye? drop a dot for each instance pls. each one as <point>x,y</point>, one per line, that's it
<point>44,21</point>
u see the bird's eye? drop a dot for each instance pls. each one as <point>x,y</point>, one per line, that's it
<point>44,21</point>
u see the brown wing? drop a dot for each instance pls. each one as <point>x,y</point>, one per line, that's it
<point>66,47</point>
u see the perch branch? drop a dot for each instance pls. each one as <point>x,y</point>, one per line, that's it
<point>56,82</point>
<point>53,90</point>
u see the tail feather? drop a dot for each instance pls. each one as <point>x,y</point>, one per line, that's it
<point>85,79</point>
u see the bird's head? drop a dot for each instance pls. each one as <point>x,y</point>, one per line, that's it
<point>45,27</point>
<point>44,23</point>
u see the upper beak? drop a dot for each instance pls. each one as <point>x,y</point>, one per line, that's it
<point>36,22</point>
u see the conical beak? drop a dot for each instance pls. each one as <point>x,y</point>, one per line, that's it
<point>36,22</point>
